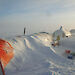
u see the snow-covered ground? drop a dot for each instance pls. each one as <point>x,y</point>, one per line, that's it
<point>34,55</point>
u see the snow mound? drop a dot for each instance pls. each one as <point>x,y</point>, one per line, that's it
<point>34,55</point>
<point>61,33</point>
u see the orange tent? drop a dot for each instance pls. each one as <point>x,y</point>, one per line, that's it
<point>6,52</point>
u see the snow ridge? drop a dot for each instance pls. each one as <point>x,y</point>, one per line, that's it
<point>34,55</point>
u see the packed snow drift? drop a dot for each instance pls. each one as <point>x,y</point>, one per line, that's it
<point>35,55</point>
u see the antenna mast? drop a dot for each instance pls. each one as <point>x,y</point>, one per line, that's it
<point>24,30</point>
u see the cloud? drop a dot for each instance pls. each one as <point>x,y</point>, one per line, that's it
<point>38,20</point>
<point>68,3</point>
<point>24,5</point>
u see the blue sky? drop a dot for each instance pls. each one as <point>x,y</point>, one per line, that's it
<point>36,15</point>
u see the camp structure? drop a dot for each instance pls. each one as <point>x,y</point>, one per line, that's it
<point>6,52</point>
<point>24,31</point>
<point>61,33</point>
